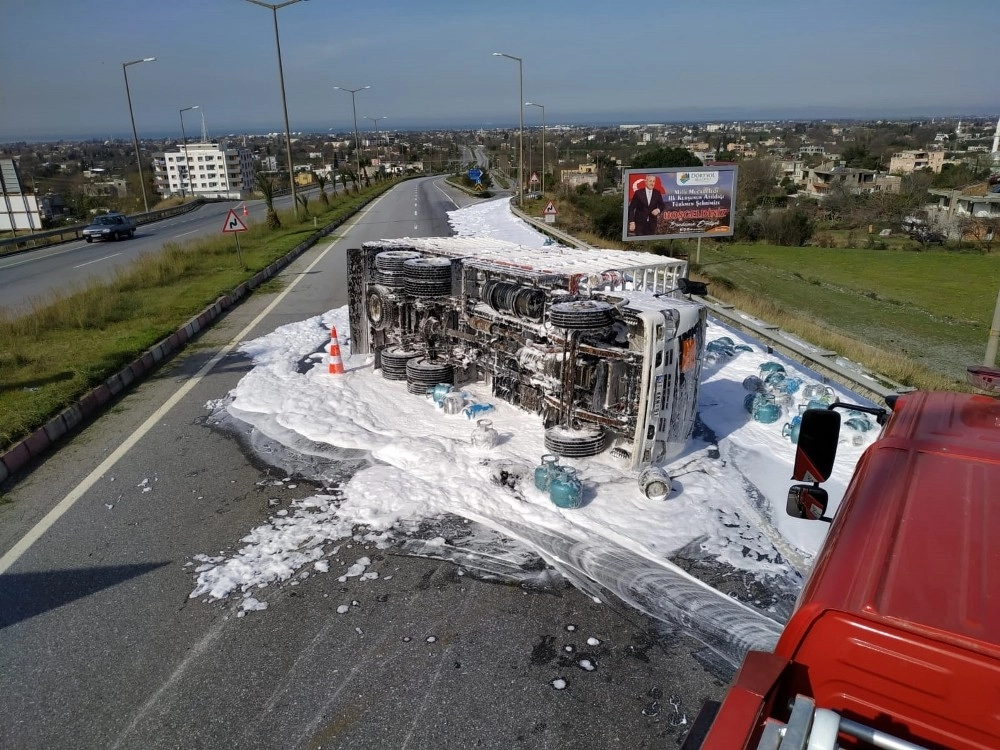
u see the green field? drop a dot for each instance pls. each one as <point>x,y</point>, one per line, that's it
<point>933,306</point>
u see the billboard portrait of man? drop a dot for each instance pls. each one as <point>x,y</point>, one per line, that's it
<point>644,206</point>
<point>679,202</point>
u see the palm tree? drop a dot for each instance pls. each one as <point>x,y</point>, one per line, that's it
<point>343,180</point>
<point>266,187</point>
<point>303,199</point>
<point>321,180</point>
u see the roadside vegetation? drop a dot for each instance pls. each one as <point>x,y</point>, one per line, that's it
<point>913,312</point>
<point>68,343</point>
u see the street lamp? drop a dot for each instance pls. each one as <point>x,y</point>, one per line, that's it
<point>187,169</point>
<point>357,140</point>
<point>520,138</point>
<point>377,156</point>
<point>281,79</point>
<point>135,136</point>
<point>541,107</point>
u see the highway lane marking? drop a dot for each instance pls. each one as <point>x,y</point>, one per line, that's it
<point>106,257</point>
<point>35,533</point>
<point>438,187</point>
<point>182,234</point>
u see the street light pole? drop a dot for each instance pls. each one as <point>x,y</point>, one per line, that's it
<point>377,155</point>
<point>281,79</point>
<point>187,169</point>
<point>135,136</point>
<point>541,107</point>
<point>520,138</point>
<point>354,109</point>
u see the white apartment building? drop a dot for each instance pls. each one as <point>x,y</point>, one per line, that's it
<point>209,170</point>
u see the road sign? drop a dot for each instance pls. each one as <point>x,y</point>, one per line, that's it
<point>534,177</point>
<point>475,175</point>
<point>550,209</point>
<point>233,223</point>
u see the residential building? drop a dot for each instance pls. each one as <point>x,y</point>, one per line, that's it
<point>908,162</point>
<point>115,188</point>
<point>210,170</point>
<point>821,180</point>
<point>812,150</point>
<point>979,201</point>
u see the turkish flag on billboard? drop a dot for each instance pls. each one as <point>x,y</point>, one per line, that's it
<point>638,182</point>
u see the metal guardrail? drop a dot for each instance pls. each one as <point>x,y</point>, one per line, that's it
<point>67,234</point>
<point>829,364</point>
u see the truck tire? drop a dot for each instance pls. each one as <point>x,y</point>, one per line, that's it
<point>393,361</point>
<point>379,308</point>
<point>422,375</point>
<point>581,315</point>
<point>582,443</point>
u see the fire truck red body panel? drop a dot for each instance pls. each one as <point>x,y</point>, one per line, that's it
<point>898,626</point>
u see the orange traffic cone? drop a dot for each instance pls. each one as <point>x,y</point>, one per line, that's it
<point>245,212</point>
<point>336,363</point>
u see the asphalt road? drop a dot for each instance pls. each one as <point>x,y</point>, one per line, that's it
<point>36,274</point>
<point>101,646</point>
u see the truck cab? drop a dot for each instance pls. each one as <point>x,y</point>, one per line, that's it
<point>895,638</point>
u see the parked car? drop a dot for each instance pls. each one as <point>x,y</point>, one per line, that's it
<point>109,227</point>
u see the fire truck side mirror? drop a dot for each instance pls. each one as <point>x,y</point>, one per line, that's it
<point>817,446</point>
<point>807,501</point>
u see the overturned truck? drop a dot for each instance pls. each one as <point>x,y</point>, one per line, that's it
<point>602,344</point>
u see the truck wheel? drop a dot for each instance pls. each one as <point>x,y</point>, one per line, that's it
<point>587,441</point>
<point>581,315</point>
<point>131,233</point>
<point>393,362</point>
<point>422,374</point>
<point>379,308</point>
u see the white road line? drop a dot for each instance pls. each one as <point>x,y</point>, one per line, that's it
<point>25,542</point>
<point>106,257</point>
<point>77,492</point>
<point>32,260</point>
<point>436,185</point>
<point>185,233</point>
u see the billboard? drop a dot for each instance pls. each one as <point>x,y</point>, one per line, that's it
<point>676,202</point>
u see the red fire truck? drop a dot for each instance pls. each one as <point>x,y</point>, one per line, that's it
<point>895,639</point>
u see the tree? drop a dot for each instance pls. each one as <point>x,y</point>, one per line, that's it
<point>791,228</point>
<point>303,200</point>
<point>266,187</point>
<point>321,180</point>
<point>981,229</point>
<point>859,157</point>
<point>662,156</point>
<point>343,181</point>
<point>757,180</point>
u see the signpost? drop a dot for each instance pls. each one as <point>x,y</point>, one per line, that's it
<point>234,225</point>
<point>476,175</point>
<point>550,213</point>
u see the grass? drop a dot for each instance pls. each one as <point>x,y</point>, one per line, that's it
<point>932,308</point>
<point>68,343</point>
<point>918,316</point>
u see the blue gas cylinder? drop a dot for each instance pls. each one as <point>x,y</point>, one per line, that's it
<point>543,472</point>
<point>565,488</point>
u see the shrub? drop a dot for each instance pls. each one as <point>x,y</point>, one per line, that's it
<point>790,228</point>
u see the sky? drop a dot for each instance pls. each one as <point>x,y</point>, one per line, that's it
<point>411,463</point>
<point>429,63</point>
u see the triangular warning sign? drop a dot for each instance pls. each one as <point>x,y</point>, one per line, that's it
<point>233,223</point>
<point>550,208</point>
